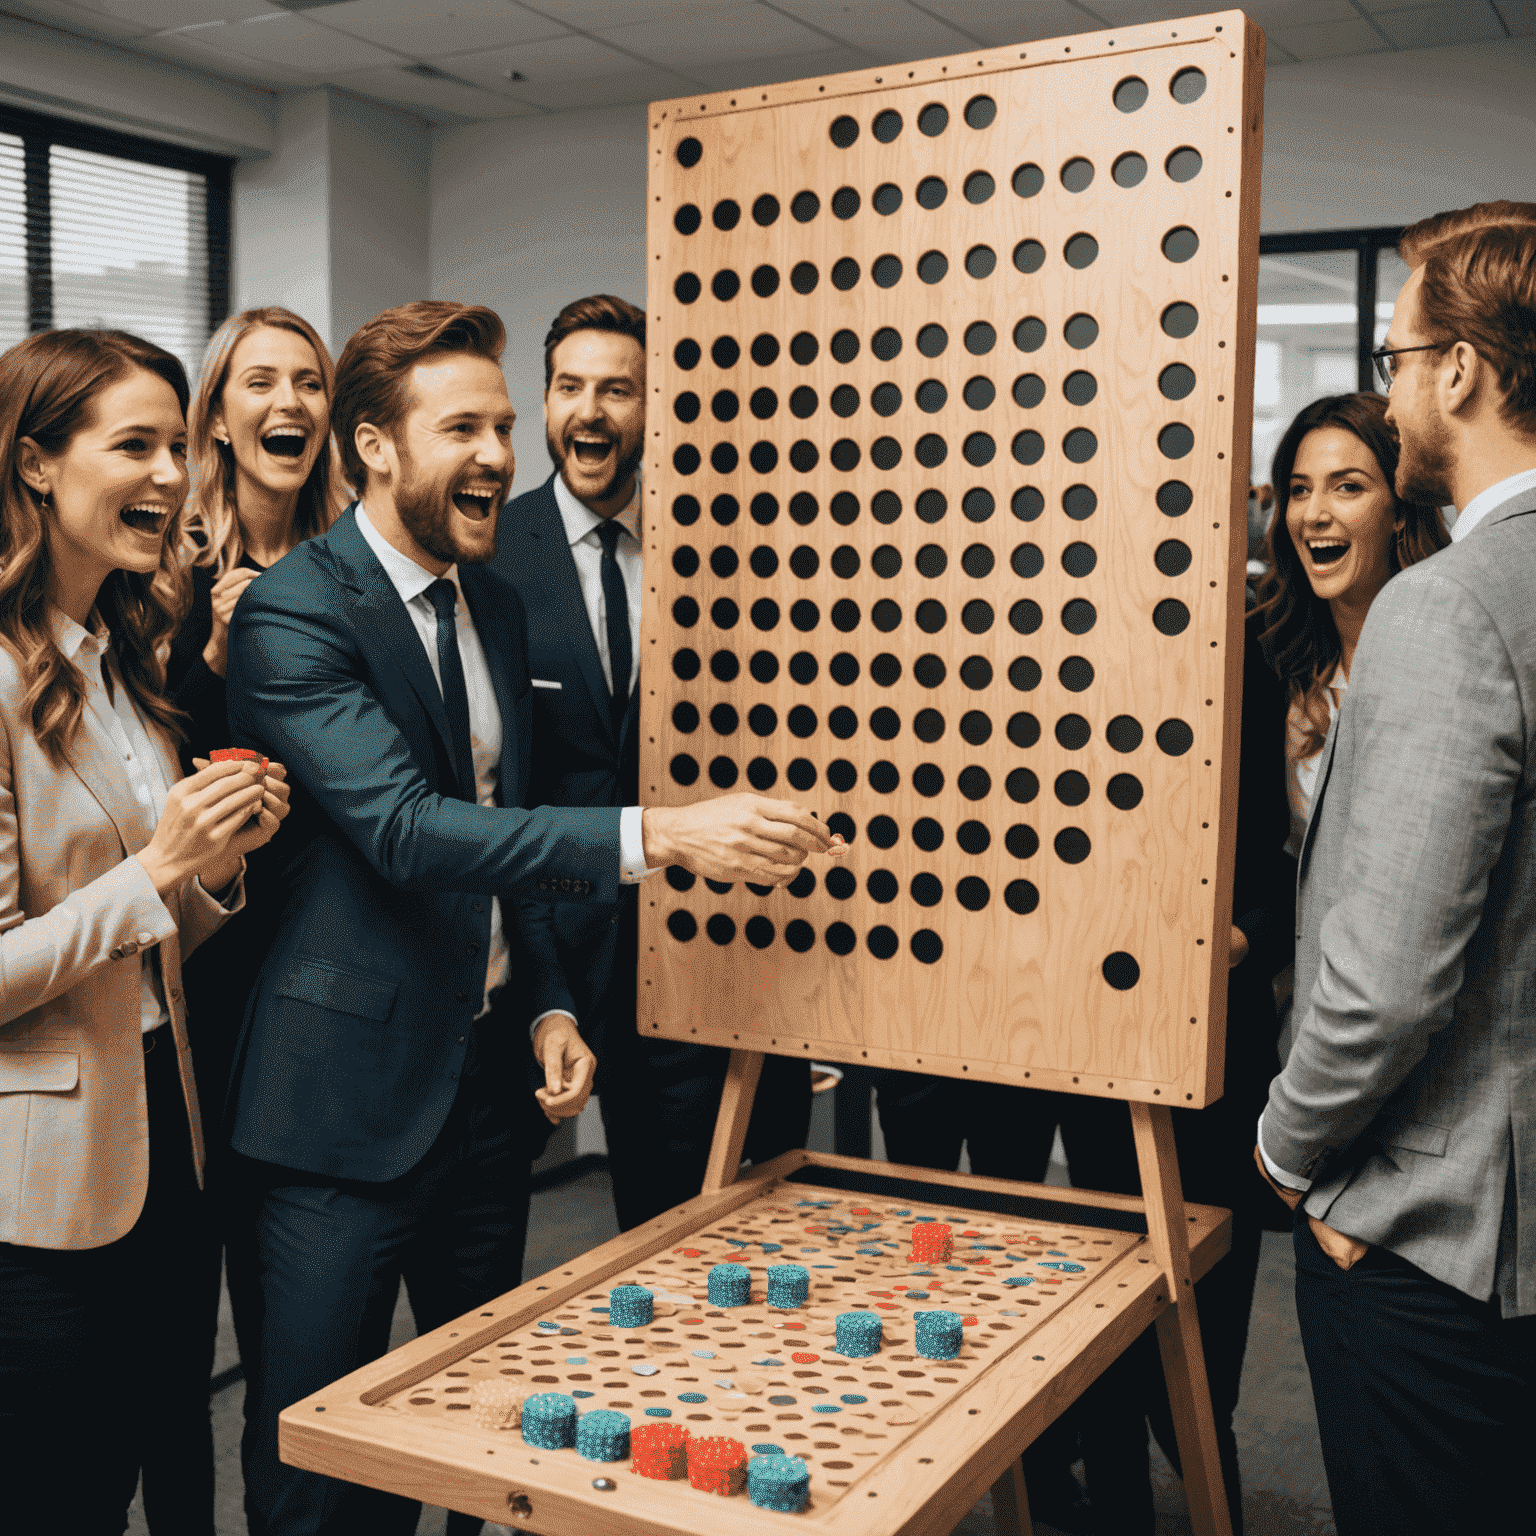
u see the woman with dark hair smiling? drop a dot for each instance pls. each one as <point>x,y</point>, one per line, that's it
<point>112,867</point>
<point>1340,533</point>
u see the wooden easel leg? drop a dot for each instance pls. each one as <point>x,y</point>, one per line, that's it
<point>1010,1502</point>
<point>1178,1328</point>
<point>731,1123</point>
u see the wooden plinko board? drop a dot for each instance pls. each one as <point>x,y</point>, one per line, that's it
<point>950,373</point>
<point>1056,1289</point>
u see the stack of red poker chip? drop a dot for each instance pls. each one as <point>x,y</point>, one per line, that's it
<point>932,1242</point>
<point>659,1450</point>
<point>717,1464</point>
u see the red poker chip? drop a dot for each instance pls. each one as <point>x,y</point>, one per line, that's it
<point>969,1322</point>
<point>889,1306</point>
<point>800,1357</point>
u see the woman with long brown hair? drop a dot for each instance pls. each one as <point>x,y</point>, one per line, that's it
<point>112,867</point>
<point>1340,533</point>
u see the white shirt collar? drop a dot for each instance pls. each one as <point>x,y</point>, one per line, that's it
<point>1486,501</point>
<point>72,638</point>
<point>580,519</point>
<point>410,578</point>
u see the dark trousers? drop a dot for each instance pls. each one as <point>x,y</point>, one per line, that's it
<point>659,1119</point>
<point>330,1256</point>
<point>102,1361</point>
<point>1426,1399</point>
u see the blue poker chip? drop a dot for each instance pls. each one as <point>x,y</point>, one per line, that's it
<point>575,1359</point>
<point>549,1421</point>
<point>602,1435</point>
<point>577,1392</point>
<point>826,1408</point>
<point>768,1450</point>
<point>555,1327</point>
<point>917,1295</point>
<point>691,1397</point>
<point>853,1397</point>
<point>773,1247</point>
<point>658,1413</point>
<point>779,1482</point>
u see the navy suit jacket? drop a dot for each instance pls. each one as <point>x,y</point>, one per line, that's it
<point>355,1035</point>
<point>582,760</point>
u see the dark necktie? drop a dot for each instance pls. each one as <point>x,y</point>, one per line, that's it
<point>444,596</point>
<point>616,604</point>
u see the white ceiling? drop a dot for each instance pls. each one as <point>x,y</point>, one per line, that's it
<point>454,61</point>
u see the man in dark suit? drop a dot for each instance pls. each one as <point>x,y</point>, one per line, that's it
<point>572,549</point>
<point>379,1105</point>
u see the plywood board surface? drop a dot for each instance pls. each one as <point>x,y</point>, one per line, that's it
<point>950,373</point>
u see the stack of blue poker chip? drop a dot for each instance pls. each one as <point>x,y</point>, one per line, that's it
<point>549,1421</point>
<point>779,1482</point>
<point>630,1306</point>
<point>858,1333</point>
<point>938,1334</point>
<point>788,1285</point>
<point>602,1435</point>
<point>730,1285</point>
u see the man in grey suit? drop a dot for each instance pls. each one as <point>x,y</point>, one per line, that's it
<point>1404,1122</point>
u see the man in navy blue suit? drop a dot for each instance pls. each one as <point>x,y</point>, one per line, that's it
<point>380,1104</point>
<point>572,548</point>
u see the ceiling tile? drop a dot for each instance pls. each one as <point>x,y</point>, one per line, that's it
<point>726,32</point>
<point>1331,39</point>
<point>297,43</point>
<point>84,20</point>
<point>188,48</point>
<point>1519,16</point>
<point>884,28</point>
<point>1470,22</point>
<point>997,23</point>
<point>1275,14</point>
<point>427,29</point>
<point>648,83</point>
<point>601,15</point>
<point>742,75</point>
<point>439,101</point>
<point>172,15</point>
<point>557,60</point>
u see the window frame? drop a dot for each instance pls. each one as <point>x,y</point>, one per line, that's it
<point>39,132</point>
<point>1367,244</point>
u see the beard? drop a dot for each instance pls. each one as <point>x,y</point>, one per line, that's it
<point>626,463</point>
<point>1424,464</point>
<point>425,506</point>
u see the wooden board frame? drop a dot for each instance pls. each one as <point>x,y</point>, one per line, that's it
<point>970,1444</point>
<point>1018,997</point>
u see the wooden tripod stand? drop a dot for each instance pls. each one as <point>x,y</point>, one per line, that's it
<point>1178,1325</point>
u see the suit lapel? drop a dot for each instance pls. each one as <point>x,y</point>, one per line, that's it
<point>1324,768</point>
<point>549,553</point>
<point>384,627</point>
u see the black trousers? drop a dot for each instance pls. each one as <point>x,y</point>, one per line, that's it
<point>1426,1399</point>
<point>330,1256</point>
<point>659,1119</point>
<point>102,1355</point>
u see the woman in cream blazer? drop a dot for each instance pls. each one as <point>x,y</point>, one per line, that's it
<point>112,869</point>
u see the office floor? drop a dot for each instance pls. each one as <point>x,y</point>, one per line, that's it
<point>1285,1493</point>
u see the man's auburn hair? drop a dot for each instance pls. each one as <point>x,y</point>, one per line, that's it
<point>600,312</point>
<point>1479,286</point>
<point>375,365</point>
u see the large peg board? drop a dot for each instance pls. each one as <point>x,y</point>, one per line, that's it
<point>950,373</point>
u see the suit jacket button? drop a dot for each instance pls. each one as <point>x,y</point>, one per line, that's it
<point>479,906</point>
<point>544,886</point>
<point>472,949</point>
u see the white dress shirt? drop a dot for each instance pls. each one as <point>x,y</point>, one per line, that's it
<point>91,651</point>
<point>1485,501</point>
<point>411,581</point>
<point>581,525</point>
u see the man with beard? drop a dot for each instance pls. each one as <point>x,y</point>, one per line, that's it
<point>380,1109</point>
<point>1403,1127</point>
<point>572,548</point>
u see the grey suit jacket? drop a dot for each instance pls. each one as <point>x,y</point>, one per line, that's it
<point>1409,1097</point>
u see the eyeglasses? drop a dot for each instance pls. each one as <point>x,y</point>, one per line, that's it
<point>1386,368</point>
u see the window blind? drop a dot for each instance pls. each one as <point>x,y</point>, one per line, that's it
<point>103,229</point>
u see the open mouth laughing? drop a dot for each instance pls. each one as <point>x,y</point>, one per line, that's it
<point>285,442</point>
<point>1326,552</point>
<point>476,502</point>
<point>146,517</point>
<point>590,449</point>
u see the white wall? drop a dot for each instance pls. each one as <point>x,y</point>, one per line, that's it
<point>527,215</point>
<point>1389,138</point>
<point>333,222</point>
